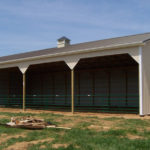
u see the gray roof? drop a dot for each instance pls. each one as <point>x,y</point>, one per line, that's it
<point>138,38</point>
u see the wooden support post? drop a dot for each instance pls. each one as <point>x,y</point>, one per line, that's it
<point>23,68</point>
<point>24,90</point>
<point>72,91</point>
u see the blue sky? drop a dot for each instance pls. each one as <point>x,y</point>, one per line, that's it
<point>27,25</point>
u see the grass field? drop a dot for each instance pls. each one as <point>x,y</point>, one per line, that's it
<point>87,133</point>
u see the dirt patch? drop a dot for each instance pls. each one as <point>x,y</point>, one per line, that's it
<point>42,147</point>
<point>104,125</point>
<point>56,146</point>
<point>109,124</point>
<point>100,127</point>
<point>148,128</point>
<point>25,145</point>
<point>72,124</point>
<point>70,121</point>
<point>6,137</point>
<point>106,128</point>
<point>3,135</point>
<point>133,137</point>
<point>3,116</point>
<point>87,114</point>
<point>95,127</point>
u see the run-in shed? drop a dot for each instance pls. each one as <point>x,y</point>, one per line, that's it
<point>105,75</point>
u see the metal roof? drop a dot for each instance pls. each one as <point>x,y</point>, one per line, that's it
<point>138,38</point>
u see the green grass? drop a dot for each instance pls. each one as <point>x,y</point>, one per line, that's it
<point>16,114</point>
<point>81,137</point>
<point>135,123</point>
<point>113,118</point>
<point>4,130</point>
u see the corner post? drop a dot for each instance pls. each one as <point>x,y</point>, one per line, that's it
<point>140,83</point>
<point>72,91</point>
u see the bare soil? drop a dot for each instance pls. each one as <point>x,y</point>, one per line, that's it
<point>88,114</point>
<point>56,146</point>
<point>3,116</point>
<point>133,137</point>
<point>6,137</point>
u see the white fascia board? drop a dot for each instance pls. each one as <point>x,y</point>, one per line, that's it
<point>74,52</point>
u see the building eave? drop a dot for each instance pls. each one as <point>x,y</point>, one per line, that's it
<point>119,46</point>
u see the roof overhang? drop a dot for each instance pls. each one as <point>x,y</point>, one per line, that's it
<point>119,46</point>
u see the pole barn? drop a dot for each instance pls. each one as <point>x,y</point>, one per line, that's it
<point>110,75</point>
